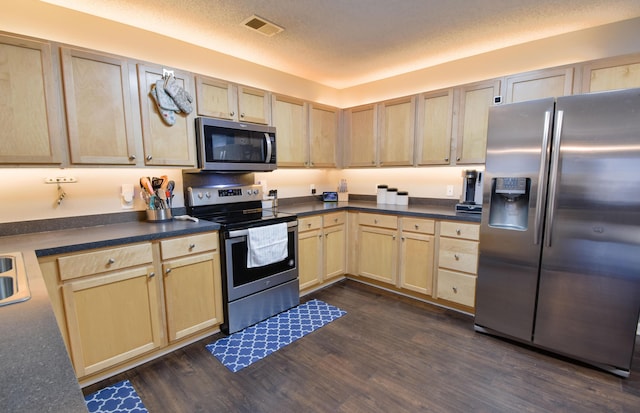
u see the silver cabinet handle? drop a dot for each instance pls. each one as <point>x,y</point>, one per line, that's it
<point>152,274</point>
<point>132,157</point>
<point>458,231</point>
<point>149,157</point>
<point>242,115</point>
<point>167,271</point>
<point>192,246</point>
<point>455,290</point>
<point>446,159</point>
<point>417,226</point>
<point>553,177</point>
<point>544,153</point>
<point>110,261</point>
<point>232,113</point>
<point>456,256</point>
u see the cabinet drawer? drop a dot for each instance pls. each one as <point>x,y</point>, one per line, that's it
<point>460,230</point>
<point>457,287</point>
<point>309,223</point>
<point>191,244</point>
<point>375,220</point>
<point>457,254</point>
<point>423,226</point>
<point>337,218</point>
<point>95,262</point>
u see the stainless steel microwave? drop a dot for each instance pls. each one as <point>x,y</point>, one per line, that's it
<point>225,146</point>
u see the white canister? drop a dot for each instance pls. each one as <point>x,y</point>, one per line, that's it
<point>392,195</point>
<point>382,194</point>
<point>402,198</point>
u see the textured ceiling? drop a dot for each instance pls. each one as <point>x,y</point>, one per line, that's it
<point>342,43</point>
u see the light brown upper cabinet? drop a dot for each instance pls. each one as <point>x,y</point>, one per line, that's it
<point>539,84</point>
<point>610,74</point>
<point>164,144</point>
<point>98,105</point>
<point>397,131</point>
<point>323,135</point>
<point>361,130</point>
<point>289,118</point>
<point>224,100</point>
<point>31,131</point>
<point>475,100</point>
<point>433,127</point>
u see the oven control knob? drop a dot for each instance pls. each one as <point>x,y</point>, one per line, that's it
<point>255,192</point>
<point>207,194</point>
<point>200,195</point>
<point>248,191</point>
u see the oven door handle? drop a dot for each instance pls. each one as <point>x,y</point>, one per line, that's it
<point>244,232</point>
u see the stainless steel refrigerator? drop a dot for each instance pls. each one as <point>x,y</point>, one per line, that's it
<point>559,264</point>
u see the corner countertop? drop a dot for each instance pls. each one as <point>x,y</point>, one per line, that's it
<point>37,374</point>
<point>420,210</point>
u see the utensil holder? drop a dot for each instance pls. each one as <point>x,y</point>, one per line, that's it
<point>159,215</point>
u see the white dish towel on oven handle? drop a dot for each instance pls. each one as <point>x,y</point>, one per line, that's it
<point>267,245</point>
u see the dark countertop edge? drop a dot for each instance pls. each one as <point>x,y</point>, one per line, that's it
<point>42,252</point>
<point>421,211</point>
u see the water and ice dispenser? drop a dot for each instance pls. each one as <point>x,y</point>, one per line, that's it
<point>509,203</point>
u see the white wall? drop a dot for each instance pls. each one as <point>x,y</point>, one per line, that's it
<point>26,197</point>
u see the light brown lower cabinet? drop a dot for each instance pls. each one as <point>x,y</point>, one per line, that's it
<point>321,248</point>
<point>458,262</point>
<point>115,305</point>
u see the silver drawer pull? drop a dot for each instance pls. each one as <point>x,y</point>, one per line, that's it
<point>152,274</point>
<point>417,226</point>
<point>167,271</point>
<point>192,246</point>
<point>456,256</point>
<point>458,232</point>
<point>375,221</point>
<point>335,220</point>
<point>455,290</point>
<point>110,261</point>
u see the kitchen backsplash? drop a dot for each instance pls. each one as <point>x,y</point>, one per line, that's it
<point>27,197</point>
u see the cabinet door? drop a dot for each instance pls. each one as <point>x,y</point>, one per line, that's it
<point>193,294</point>
<point>112,318</point>
<point>539,84</point>
<point>31,129</point>
<point>310,258</point>
<point>433,129</point>
<point>475,101</point>
<point>289,118</point>
<point>323,136</point>
<point>416,262</point>
<point>362,130</point>
<point>98,107</point>
<point>377,253</point>
<point>254,105</point>
<point>216,98</point>
<point>335,251</point>
<point>397,132</point>
<point>164,144</point>
<point>611,74</point>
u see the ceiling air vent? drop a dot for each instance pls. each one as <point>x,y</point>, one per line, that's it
<point>261,25</point>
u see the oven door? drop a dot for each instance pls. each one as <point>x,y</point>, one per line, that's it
<point>242,281</point>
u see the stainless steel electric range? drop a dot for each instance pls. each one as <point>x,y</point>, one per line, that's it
<point>251,294</point>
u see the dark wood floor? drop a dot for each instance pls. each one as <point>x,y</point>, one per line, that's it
<point>388,354</point>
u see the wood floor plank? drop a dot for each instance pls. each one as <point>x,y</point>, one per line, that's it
<point>387,354</point>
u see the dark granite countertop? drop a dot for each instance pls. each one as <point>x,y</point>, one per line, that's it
<point>419,210</point>
<point>37,375</point>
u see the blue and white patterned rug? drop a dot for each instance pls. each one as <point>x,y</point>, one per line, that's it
<point>119,398</point>
<point>245,347</point>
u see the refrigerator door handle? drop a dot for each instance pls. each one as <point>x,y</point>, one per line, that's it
<point>537,227</point>
<point>553,178</point>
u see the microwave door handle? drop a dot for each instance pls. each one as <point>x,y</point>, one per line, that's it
<point>269,148</point>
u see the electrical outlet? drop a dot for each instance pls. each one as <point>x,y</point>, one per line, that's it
<point>312,188</point>
<point>61,180</point>
<point>449,190</point>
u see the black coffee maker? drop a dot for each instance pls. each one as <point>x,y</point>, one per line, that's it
<point>471,192</point>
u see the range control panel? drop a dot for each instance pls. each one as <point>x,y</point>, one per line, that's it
<point>214,195</point>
